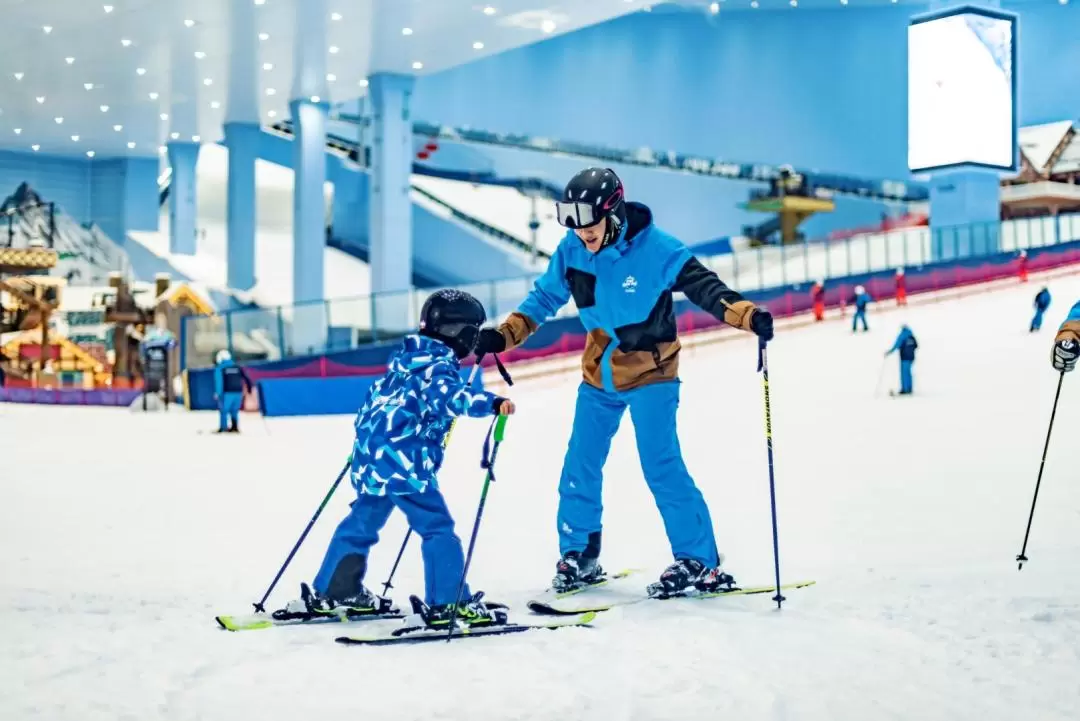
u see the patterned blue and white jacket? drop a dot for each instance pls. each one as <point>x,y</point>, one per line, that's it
<point>402,428</point>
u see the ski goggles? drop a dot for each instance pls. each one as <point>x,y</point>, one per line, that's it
<point>465,333</point>
<point>576,215</point>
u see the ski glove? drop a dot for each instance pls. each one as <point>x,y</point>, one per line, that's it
<point>1066,353</point>
<point>490,341</point>
<point>761,322</point>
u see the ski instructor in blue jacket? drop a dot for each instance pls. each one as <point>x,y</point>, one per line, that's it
<point>621,271</point>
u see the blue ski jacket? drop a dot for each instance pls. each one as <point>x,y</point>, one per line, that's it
<point>623,295</point>
<point>229,378</point>
<point>906,344</point>
<point>1042,300</point>
<point>861,300</point>
<point>402,427</point>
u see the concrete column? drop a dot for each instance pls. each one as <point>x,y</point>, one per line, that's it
<point>183,157</point>
<point>242,140</point>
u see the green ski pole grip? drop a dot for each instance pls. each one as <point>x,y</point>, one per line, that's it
<point>500,428</point>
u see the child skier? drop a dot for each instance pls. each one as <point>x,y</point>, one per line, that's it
<point>400,434</point>
<point>230,381</point>
<point>1067,342</point>
<point>817,297</point>
<point>861,300</point>
<point>1042,302</point>
<point>901,288</point>
<point>906,344</point>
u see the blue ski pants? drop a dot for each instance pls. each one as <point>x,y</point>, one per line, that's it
<point>1037,321</point>
<point>906,385</point>
<point>652,411</point>
<point>229,410</point>
<point>860,314</point>
<point>429,518</point>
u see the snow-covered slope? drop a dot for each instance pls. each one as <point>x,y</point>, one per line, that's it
<point>907,512</point>
<point>87,254</point>
<point>345,275</point>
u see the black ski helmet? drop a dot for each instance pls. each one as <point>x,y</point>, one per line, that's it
<point>453,317</point>
<point>589,197</point>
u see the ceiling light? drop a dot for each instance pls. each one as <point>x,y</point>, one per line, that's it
<point>69,60</point>
<point>88,86</point>
<point>268,66</point>
<point>271,91</point>
<point>330,77</point>
<point>264,36</point>
<point>118,128</point>
<point>140,71</point>
<point>199,54</point>
<point>107,8</point>
<point>271,114</point>
<point>208,81</point>
<point>196,138</point>
<point>333,49</point>
<point>47,29</point>
<point>548,26</point>
<point>154,96</point>
<point>754,4</point>
<point>489,10</point>
<point>714,8</point>
<point>164,116</point>
<point>335,16</point>
<point>418,65</point>
<point>795,3</point>
<point>478,45</point>
<point>89,153</point>
<point>189,23</point>
<point>363,82</point>
<point>406,31</point>
<point>843,2</point>
<point>59,121</point>
<point>74,138</point>
<point>131,145</point>
<point>18,131</point>
<point>161,150</point>
<point>40,99</point>
<point>260,2</point>
<point>104,108</point>
<point>35,147</point>
<point>19,76</point>
<point>215,105</point>
<point>125,42</point>
<point>315,98</point>
<point>174,136</point>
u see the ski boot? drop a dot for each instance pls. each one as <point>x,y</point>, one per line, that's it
<point>574,571</point>
<point>471,612</point>
<point>687,576</point>
<point>311,605</point>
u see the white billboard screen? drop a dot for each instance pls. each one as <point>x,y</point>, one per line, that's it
<point>962,90</point>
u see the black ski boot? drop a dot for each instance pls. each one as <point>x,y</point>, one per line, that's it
<point>470,612</point>
<point>312,604</point>
<point>577,569</point>
<point>686,576</point>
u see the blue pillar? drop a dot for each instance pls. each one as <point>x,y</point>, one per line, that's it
<point>242,140</point>
<point>965,212</point>
<point>309,219</point>
<point>182,200</point>
<point>390,205</point>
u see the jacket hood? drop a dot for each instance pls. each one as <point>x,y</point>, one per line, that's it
<point>638,218</point>
<point>419,352</point>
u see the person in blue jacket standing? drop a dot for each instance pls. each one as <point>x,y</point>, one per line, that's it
<point>1067,342</point>
<point>861,300</point>
<point>1042,303</point>
<point>229,383</point>
<point>621,271</point>
<point>906,344</point>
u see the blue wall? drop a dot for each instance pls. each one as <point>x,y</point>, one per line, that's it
<point>64,181</point>
<point>825,91</point>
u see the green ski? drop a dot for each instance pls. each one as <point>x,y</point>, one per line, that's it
<point>405,636</point>
<point>556,608</point>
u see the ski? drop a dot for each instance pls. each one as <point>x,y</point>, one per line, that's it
<point>605,580</point>
<point>257,621</point>
<point>404,636</point>
<point>555,608</point>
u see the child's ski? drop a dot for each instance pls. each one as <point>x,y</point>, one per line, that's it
<point>404,636</point>
<point>256,621</point>
<point>557,607</point>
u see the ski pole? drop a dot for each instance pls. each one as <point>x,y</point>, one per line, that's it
<point>387,585</point>
<point>1022,557</point>
<point>499,427</point>
<point>259,607</point>
<point>763,366</point>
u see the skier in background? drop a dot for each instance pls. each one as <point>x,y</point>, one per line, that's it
<point>1042,302</point>
<point>817,295</point>
<point>1067,342</point>
<point>400,434</point>
<point>901,288</point>
<point>621,271</point>
<point>906,344</point>
<point>1023,266</point>
<point>861,300</point>
<point>230,381</point>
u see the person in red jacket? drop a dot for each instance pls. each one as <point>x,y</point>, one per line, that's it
<point>817,295</point>
<point>901,287</point>
<point>1023,266</point>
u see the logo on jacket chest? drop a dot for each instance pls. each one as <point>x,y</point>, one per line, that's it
<point>630,284</point>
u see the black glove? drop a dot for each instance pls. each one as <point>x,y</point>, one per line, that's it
<point>1066,353</point>
<point>762,324</point>
<point>490,341</point>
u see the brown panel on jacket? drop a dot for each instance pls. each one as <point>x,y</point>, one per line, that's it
<point>739,313</point>
<point>629,370</point>
<point>1070,330</point>
<point>516,329</point>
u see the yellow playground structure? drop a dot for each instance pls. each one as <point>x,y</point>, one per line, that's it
<point>792,200</point>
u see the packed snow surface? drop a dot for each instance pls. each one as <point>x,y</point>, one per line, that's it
<point>122,535</point>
